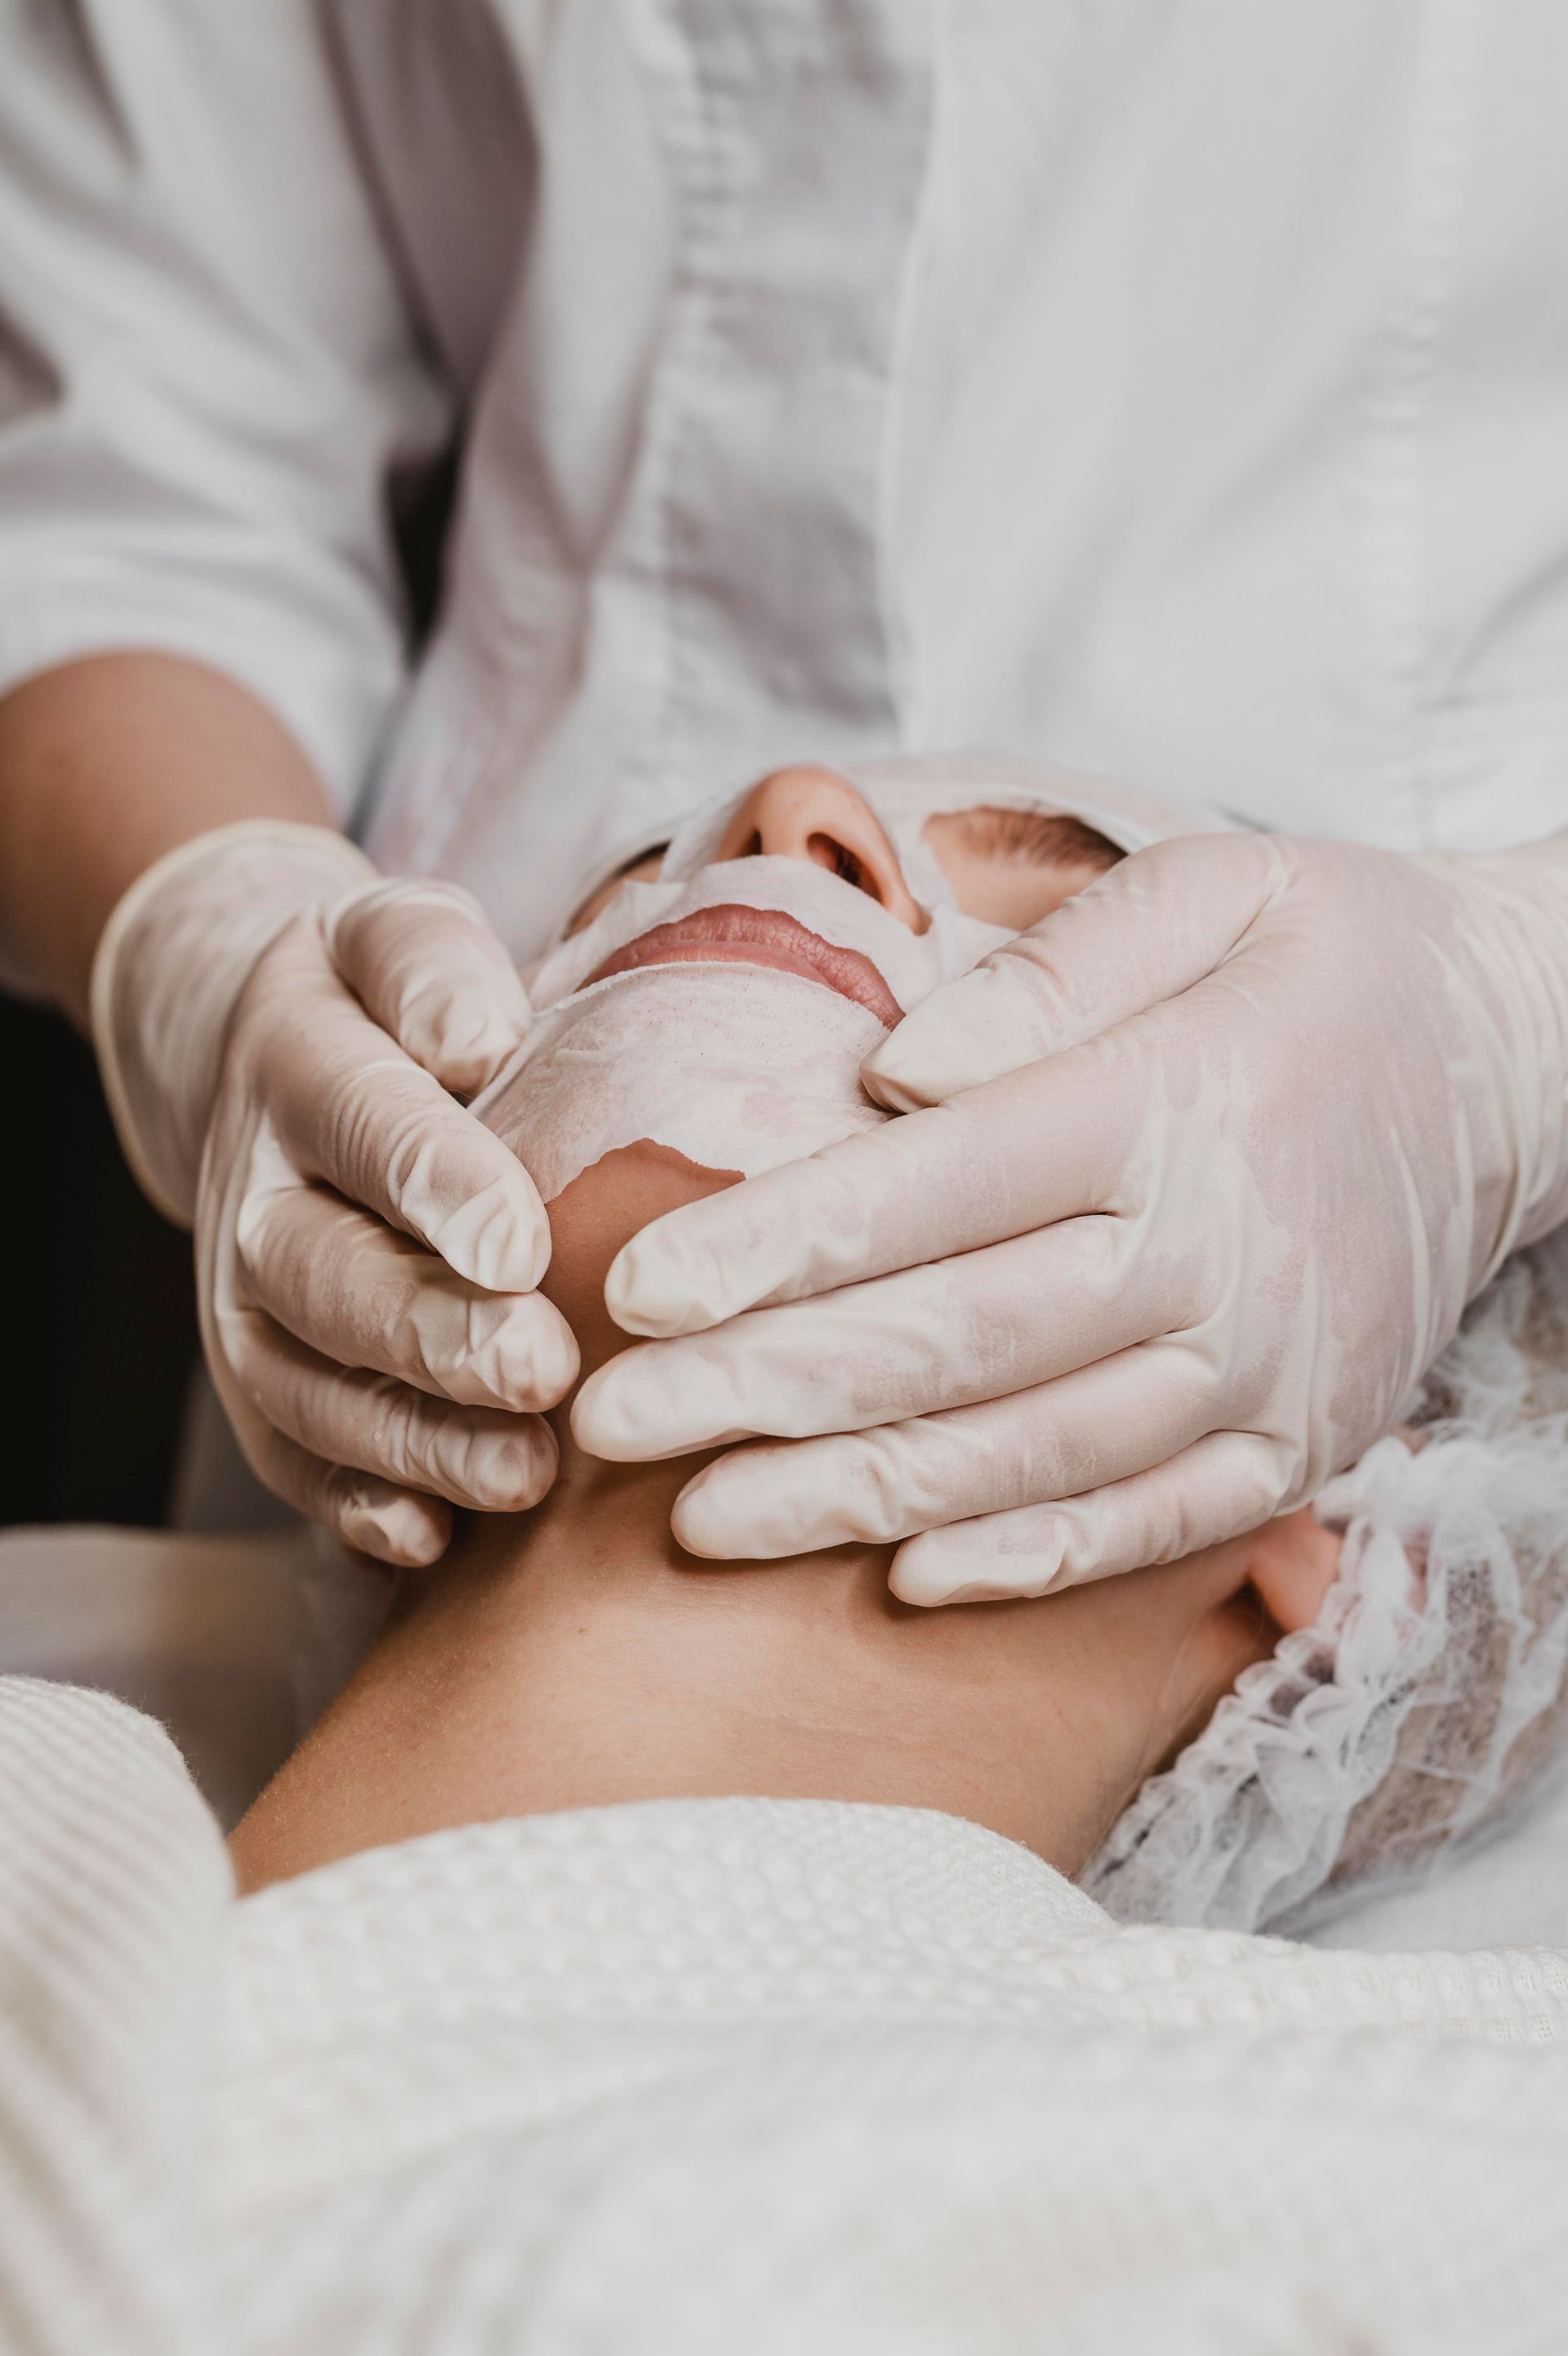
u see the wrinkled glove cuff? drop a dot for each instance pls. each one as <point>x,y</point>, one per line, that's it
<point>177,951</point>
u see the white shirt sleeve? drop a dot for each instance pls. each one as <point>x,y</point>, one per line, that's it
<point>205,371</point>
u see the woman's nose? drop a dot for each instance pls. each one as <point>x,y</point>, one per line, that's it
<point>814,814</point>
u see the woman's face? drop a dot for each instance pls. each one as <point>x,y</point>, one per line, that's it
<point>723,1007</point>
<point>800,906</point>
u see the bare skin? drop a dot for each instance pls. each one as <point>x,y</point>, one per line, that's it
<point>107,763</point>
<point>573,1657</point>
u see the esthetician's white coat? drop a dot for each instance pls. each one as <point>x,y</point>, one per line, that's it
<point>1176,388</point>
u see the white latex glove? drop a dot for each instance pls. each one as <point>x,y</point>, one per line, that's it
<point>282,1036</point>
<point>1217,1156</point>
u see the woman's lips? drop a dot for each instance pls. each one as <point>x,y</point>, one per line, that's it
<point>733,935</point>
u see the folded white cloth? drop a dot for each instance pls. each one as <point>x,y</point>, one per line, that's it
<point>709,2075</point>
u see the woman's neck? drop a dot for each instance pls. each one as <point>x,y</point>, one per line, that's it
<point>574,1657</point>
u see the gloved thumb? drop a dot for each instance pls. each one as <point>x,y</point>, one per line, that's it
<point>426,964</point>
<point>1149,928</point>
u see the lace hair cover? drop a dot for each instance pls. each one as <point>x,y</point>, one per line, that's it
<point>1432,1687</point>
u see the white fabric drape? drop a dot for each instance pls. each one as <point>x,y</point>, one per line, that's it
<point>696,2075</point>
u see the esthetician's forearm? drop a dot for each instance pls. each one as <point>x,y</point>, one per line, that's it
<point>105,764</point>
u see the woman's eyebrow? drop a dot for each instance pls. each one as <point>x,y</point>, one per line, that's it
<point>1028,837</point>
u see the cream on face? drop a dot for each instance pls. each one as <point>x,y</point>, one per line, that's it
<point>723,1009</point>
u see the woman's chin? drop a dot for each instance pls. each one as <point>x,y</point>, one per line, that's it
<point>602,1208</point>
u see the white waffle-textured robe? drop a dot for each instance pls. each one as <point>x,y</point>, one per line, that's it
<point>713,2075</point>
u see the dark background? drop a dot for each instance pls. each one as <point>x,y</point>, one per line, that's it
<point>99,1301</point>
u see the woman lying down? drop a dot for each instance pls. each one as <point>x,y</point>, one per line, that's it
<point>659,1953</point>
<point>1218,1741</point>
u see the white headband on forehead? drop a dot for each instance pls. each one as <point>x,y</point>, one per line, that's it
<point>740,1067</point>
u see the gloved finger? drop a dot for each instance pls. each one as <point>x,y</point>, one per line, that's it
<point>424,962</point>
<point>1028,1149</point>
<point>1143,933</point>
<point>471,1456</point>
<point>349,1108</point>
<point>1100,1425</point>
<point>1227,1483</point>
<point>394,1525</point>
<point>946,1335</point>
<point>364,1295</point>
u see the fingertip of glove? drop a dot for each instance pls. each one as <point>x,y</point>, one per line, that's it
<point>975,1029</point>
<point>491,1462</point>
<point>894,1075</point>
<point>405,1531</point>
<point>535,1460</point>
<point>701,1526</point>
<point>599,1423</point>
<point>466,1056</point>
<point>648,1293</point>
<point>893,1091</point>
<point>499,1237</point>
<point>634,1414</point>
<point>693,1526</point>
<point>544,1363</point>
<point>923,1062</point>
<point>747,1506</point>
<point>936,1569</point>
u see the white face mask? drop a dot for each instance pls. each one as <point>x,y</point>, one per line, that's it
<point>741,1067</point>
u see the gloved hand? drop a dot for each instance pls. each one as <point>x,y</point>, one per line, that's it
<point>282,1036</point>
<point>1208,1165</point>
